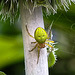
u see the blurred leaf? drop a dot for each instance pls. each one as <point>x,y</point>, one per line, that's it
<point>11,50</point>
<point>10,8</point>
<point>63,31</point>
<point>51,59</point>
<point>2,73</point>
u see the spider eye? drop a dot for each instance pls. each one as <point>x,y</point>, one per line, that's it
<point>38,36</point>
<point>43,35</point>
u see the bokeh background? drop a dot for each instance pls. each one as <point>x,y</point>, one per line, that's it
<point>11,44</point>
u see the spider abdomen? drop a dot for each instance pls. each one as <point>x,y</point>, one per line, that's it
<point>40,35</point>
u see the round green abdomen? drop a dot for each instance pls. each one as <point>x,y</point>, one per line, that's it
<point>40,35</point>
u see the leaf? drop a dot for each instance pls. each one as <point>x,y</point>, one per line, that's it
<point>11,50</point>
<point>10,8</point>
<point>51,59</point>
<point>2,73</point>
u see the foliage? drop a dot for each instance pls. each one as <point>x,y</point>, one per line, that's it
<point>2,73</point>
<point>63,31</point>
<point>11,50</point>
<point>51,60</point>
<point>50,5</point>
<point>10,8</point>
<point>52,57</point>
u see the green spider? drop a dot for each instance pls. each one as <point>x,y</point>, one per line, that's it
<point>41,37</point>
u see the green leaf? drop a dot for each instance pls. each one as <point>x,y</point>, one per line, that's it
<point>51,59</point>
<point>11,50</point>
<point>2,73</point>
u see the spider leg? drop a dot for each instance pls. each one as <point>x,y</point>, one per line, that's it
<point>38,54</point>
<point>50,31</point>
<point>49,41</point>
<point>49,46</point>
<point>33,42</point>
<point>28,32</point>
<point>33,48</point>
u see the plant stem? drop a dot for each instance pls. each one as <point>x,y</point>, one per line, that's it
<point>33,21</point>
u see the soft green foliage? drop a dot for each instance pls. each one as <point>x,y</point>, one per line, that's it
<point>64,33</point>
<point>10,8</point>
<point>2,73</point>
<point>40,35</point>
<point>64,30</point>
<point>11,50</point>
<point>50,5</point>
<point>51,59</point>
<point>51,52</point>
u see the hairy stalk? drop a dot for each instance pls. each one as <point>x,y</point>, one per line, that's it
<point>33,21</point>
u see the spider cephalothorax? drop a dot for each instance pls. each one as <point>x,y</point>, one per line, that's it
<point>41,38</point>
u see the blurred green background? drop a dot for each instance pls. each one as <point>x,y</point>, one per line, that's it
<point>11,44</point>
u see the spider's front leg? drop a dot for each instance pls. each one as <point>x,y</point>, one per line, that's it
<point>28,32</point>
<point>32,37</point>
<point>50,46</point>
<point>33,42</point>
<point>38,54</point>
<point>33,48</point>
